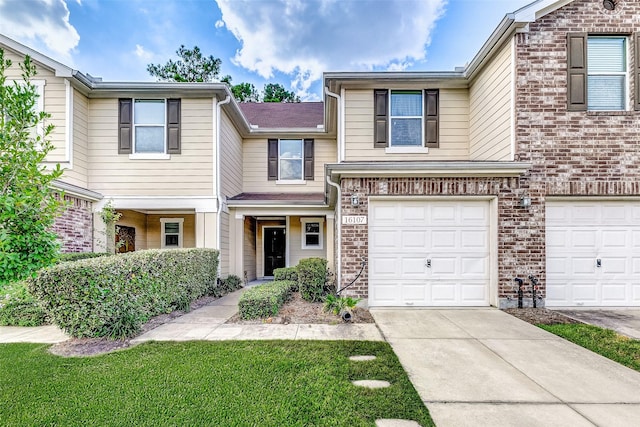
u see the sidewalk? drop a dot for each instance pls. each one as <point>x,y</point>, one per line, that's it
<point>208,323</point>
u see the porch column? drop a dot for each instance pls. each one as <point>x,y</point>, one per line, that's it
<point>99,233</point>
<point>237,245</point>
<point>206,230</point>
<point>331,244</point>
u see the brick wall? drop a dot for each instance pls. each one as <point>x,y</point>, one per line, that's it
<point>75,226</point>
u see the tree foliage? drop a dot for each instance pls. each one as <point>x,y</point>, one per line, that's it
<point>191,67</point>
<point>28,207</point>
<point>275,92</point>
<point>242,92</point>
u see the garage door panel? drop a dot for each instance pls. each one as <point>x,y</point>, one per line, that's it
<point>614,213</point>
<point>412,266</point>
<point>614,293</point>
<point>475,267</point>
<point>614,239</point>
<point>413,213</point>
<point>558,238</point>
<point>411,240</point>
<point>385,294</point>
<point>443,266</point>
<point>474,239</point>
<point>473,293</point>
<point>617,266</point>
<point>385,240</point>
<point>446,239</point>
<point>384,266</point>
<point>583,266</point>
<point>444,294</point>
<point>585,292</point>
<point>583,239</point>
<point>414,293</point>
<point>444,215</point>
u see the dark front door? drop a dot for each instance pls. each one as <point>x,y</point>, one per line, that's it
<point>275,244</point>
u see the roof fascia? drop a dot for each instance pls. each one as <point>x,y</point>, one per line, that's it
<point>427,169</point>
<point>58,68</point>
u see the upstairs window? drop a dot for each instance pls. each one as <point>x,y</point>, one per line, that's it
<point>607,73</point>
<point>290,161</point>
<point>406,118</point>
<point>598,72</point>
<point>149,128</point>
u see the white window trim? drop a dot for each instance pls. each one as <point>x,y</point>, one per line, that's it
<point>292,181</point>
<point>303,233</point>
<point>180,222</point>
<point>400,148</point>
<point>625,73</point>
<point>148,156</point>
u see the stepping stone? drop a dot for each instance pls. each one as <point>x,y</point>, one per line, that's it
<point>372,383</point>
<point>362,358</point>
<point>396,423</point>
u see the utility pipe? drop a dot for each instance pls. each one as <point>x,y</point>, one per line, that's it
<point>218,179</point>
<point>339,237</point>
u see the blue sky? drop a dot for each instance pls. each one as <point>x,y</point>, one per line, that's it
<point>287,41</point>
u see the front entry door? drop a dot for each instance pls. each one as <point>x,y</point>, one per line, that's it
<point>275,244</point>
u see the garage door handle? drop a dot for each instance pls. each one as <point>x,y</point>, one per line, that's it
<point>598,263</point>
<point>428,263</point>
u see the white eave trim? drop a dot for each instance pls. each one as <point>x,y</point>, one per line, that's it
<point>60,69</point>
<point>428,169</point>
<point>273,204</point>
<point>74,190</point>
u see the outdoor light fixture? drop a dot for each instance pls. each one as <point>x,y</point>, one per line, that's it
<point>525,202</point>
<point>609,4</point>
<point>354,200</point>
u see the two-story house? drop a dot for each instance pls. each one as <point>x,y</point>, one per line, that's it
<point>420,188</point>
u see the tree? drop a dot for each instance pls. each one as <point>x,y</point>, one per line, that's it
<point>28,207</point>
<point>275,92</point>
<point>191,67</point>
<point>242,92</point>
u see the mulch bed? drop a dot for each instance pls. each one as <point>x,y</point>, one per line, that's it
<point>540,316</point>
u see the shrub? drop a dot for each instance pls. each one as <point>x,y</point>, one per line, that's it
<point>77,256</point>
<point>230,284</point>
<point>19,308</point>
<point>287,273</point>
<point>113,296</point>
<point>312,279</point>
<point>337,305</point>
<point>265,300</point>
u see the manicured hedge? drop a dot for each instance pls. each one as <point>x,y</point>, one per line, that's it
<point>113,296</point>
<point>286,273</point>
<point>77,256</point>
<point>312,279</point>
<point>19,308</point>
<point>230,284</point>
<point>265,300</point>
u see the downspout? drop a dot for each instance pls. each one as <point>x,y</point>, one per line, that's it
<point>339,119</point>
<point>339,237</point>
<point>218,184</point>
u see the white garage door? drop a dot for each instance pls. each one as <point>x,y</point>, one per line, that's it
<point>428,253</point>
<point>593,253</point>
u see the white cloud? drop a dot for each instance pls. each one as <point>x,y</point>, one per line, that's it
<point>143,54</point>
<point>304,38</point>
<point>43,24</point>
<point>219,23</point>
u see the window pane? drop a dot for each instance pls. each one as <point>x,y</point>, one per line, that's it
<point>312,240</point>
<point>606,55</point>
<point>291,149</point>
<point>149,112</point>
<point>312,227</point>
<point>406,103</point>
<point>149,139</point>
<point>406,132</point>
<point>606,93</point>
<point>290,169</point>
<point>171,227</point>
<point>171,240</point>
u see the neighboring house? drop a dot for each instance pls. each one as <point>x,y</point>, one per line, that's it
<point>448,185</point>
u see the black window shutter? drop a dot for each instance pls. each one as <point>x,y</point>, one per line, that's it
<point>124,125</point>
<point>308,159</point>
<point>431,125</point>
<point>173,126</point>
<point>381,120</point>
<point>272,159</point>
<point>636,71</point>
<point>577,71</point>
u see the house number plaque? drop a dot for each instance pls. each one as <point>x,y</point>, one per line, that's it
<point>354,220</point>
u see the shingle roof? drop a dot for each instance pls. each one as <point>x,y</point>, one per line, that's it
<point>280,197</point>
<point>284,114</point>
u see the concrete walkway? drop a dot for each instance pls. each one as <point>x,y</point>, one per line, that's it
<point>625,321</point>
<point>483,367</point>
<point>208,323</point>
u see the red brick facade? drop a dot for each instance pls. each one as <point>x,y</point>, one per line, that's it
<point>75,226</point>
<point>572,153</point>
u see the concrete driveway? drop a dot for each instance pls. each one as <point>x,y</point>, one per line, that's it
<point>483,367</point>
<point>625,321</point>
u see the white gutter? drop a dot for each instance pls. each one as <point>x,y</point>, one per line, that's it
<point>339,236</point>
<point>339,100</point>
<point>218,177</point>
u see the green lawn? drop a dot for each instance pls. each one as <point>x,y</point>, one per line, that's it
<point>238,383</point>
<point>605,342</point>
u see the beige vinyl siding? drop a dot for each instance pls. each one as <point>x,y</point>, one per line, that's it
<point>187,174</point>
<point>231,158</point>
<point>249,250</point>
<point>54,102</point>
<point>255,168</point>
<point>154,233</point>
<point>224,244</point>
<point>454,128</point>
<point>490,109</point>
<point>296,253</point>
<point>138,221</point>
<point>78,174</point>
